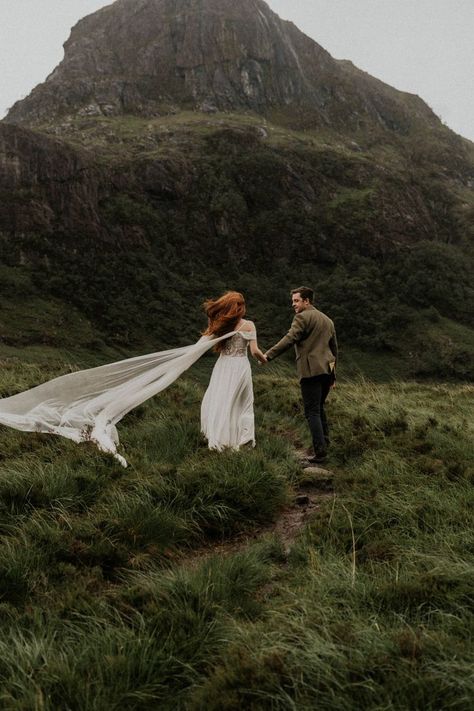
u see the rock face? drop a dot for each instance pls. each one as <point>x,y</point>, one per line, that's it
<point>148,56</point>
<point>45,186</point>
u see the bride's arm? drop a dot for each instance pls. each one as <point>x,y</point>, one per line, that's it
<point>254,349</point>
<point>256,352</point>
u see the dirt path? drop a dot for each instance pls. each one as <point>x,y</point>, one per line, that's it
<point>317,487</point>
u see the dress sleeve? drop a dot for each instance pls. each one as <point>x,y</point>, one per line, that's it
<point>249,335</point>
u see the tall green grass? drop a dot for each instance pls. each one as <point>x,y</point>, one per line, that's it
<point>103,606</point>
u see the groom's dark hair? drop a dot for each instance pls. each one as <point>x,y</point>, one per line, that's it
<point>305,293</point>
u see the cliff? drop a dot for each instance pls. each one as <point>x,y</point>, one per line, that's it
<point>150,57</point>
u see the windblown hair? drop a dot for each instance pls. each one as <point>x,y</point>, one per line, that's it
<point>224,314</point>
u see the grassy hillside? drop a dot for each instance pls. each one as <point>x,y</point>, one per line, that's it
<point>105,604</point>
<point>188,205</point>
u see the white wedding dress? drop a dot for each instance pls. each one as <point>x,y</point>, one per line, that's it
<point>227,418</point>
<point>86,406</point>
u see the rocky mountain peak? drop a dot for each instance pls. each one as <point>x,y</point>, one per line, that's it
<point>151,56</point>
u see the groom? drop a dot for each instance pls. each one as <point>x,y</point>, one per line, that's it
<point>314,337</point>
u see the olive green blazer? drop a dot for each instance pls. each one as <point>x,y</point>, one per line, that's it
<point>314,337</point>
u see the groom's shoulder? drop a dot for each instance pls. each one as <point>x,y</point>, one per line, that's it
<point>300,317</point>
<point>310,313</point>
<point>305,316</point>
<point>317,317</point>
<point>329,323</point>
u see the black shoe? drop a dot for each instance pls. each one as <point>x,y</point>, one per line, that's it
<point>317,459</point>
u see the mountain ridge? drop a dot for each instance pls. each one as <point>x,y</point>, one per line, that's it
<point>148,58</point>
<point>103,216</point>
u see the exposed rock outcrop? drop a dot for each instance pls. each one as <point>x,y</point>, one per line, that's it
<point>148,56</point>
<point>45,186</point>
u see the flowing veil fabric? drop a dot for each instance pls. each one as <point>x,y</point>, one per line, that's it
<point>86,406</point>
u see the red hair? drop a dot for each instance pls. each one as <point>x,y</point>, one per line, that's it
<point>224,314</point>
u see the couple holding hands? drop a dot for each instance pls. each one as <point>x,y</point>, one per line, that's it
<point>85,406</point>
<point>227,418</point>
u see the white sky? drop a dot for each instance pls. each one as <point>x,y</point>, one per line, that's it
<point>422,46</point>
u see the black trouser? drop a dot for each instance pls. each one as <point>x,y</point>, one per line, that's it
<point>315,391</point>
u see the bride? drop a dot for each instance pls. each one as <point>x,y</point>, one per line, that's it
<point>86,406</point>
<point>227,418</point>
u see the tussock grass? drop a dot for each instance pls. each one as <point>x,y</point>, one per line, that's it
<point>371,609</point>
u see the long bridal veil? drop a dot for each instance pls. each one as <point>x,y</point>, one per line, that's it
<point>86,406</point>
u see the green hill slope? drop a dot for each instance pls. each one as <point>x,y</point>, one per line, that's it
<point>107,598</point>
<point>131,223</point>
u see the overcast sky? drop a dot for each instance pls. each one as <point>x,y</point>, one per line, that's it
<point>422,46</point>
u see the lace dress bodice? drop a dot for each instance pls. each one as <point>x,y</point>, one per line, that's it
<point>236,345</point>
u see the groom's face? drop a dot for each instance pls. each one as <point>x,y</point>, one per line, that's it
<point>298,303</point>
